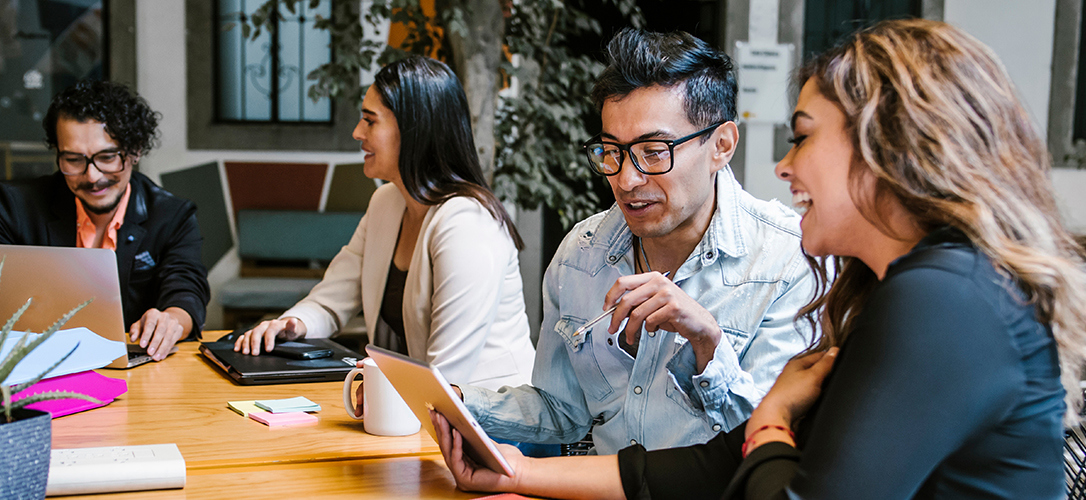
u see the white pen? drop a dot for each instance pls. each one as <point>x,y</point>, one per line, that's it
<point>586,326</point>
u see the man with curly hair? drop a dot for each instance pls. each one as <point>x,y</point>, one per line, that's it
<point>100,130</point>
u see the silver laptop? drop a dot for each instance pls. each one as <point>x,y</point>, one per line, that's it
<point>60,278</point>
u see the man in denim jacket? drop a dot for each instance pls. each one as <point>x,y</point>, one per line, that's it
<point>706,278</point>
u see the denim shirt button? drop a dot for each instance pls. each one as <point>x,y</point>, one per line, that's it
<point>612,258</point>
<point>652,334</point>
<point>704,383</point>
<point>610,342</point>
<point>637,390</point>
<point>709,254</point>
<point>716,427</point>
<point>633,442</point>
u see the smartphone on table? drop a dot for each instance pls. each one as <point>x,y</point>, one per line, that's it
<point>300,350</point>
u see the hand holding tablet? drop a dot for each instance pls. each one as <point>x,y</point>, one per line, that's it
<point>423,388</point>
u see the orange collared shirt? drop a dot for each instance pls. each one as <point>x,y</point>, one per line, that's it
<point>85,230</point>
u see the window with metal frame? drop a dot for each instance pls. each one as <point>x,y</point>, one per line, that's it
<point>826,22</point>
<point>264,79</point>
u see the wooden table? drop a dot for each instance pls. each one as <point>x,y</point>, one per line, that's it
<point>183,400</point>
<point>386,478</point>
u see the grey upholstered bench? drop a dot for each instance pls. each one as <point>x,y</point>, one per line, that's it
<point>283,253</point>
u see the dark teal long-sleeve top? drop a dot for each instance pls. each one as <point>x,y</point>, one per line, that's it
<point>948,387</point>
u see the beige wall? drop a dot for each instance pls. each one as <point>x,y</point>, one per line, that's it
<point>1021,34</point>
<point>160,60</point>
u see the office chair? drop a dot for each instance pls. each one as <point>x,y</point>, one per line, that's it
<point>1074,459</point>
<point>1074,462</point>
<point>584,446</point>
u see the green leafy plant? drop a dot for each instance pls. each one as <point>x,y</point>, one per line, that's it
<point>537,129</point>
<point>21,349</point>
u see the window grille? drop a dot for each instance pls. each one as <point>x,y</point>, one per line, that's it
<point>264,79</point>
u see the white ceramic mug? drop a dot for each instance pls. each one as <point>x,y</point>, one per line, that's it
<point>384,412</point>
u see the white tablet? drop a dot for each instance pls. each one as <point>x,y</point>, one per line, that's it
<point>422,387</point>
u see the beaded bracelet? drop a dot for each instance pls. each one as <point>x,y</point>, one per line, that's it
<point>746,444</point>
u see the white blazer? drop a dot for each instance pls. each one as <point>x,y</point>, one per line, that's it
<point>463,302</point>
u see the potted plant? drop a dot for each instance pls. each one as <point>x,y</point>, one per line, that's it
<point>25,434</point>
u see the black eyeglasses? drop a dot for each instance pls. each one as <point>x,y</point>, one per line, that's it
<point>109,161</point>
<point>650,156</point>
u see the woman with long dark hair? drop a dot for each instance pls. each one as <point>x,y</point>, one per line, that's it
<point>433,264</point>
<point>954,335</point>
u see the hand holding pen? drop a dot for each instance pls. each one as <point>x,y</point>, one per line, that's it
<point>652,301</point>
<point>584,328</point>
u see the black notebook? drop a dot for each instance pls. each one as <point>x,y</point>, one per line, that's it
<point>271,369</point>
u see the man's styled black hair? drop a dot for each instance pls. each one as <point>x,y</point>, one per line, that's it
<point>640,59</point>
<point>437,150</point>
<point>127,117</point>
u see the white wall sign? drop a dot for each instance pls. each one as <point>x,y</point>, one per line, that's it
<point>764,71</point>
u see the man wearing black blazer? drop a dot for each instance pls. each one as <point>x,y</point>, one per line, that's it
<point>96,200</point>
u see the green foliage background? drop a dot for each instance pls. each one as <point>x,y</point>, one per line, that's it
<point>539,128</point>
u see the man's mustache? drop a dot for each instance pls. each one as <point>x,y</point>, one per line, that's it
<point>95,186</point>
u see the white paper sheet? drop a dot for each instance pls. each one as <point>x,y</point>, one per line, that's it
<point>94,352</point>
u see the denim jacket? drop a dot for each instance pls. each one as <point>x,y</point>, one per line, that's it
<point>748,271</point>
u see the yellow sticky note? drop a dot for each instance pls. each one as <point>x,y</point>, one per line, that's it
<point>244,408</point>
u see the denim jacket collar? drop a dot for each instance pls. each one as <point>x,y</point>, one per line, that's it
<point>723,236</point>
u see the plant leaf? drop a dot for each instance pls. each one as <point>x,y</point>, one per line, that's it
<point>17,388</point>
<point>64,319</point>
<point>14,356</point>
<point>49,396</point>
<point>23,347</point>
<point>5,401</point>
<point>11,321</point>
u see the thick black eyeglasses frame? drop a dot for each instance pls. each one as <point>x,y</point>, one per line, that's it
<point>626,151</point>
<point>89,160</point>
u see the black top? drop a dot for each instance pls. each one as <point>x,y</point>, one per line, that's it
<point>158,244</point>
<point>392,307</point>
<point>947,388</point>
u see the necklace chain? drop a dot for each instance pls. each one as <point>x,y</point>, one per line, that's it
<point>644,257</point>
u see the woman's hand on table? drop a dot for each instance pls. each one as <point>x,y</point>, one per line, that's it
<point>267,333</point>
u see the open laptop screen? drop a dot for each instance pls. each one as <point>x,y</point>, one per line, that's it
<point>58,279</point>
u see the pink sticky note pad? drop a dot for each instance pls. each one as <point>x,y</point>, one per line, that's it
<point>283,419</point>
<point>100,387</point>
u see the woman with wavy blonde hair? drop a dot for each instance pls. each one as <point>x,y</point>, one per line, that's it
<point>956,308</point>
<point>957,301</point>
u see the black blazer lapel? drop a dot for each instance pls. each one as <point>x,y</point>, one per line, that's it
<point>130,236</point>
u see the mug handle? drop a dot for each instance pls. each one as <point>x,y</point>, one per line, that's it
<point>348,396</point>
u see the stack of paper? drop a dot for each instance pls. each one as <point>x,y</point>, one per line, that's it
<point>277,412</point>
<point>283,419</point>
<point>93,352</point>
<point>244,408</point>
<point>300,403</point>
